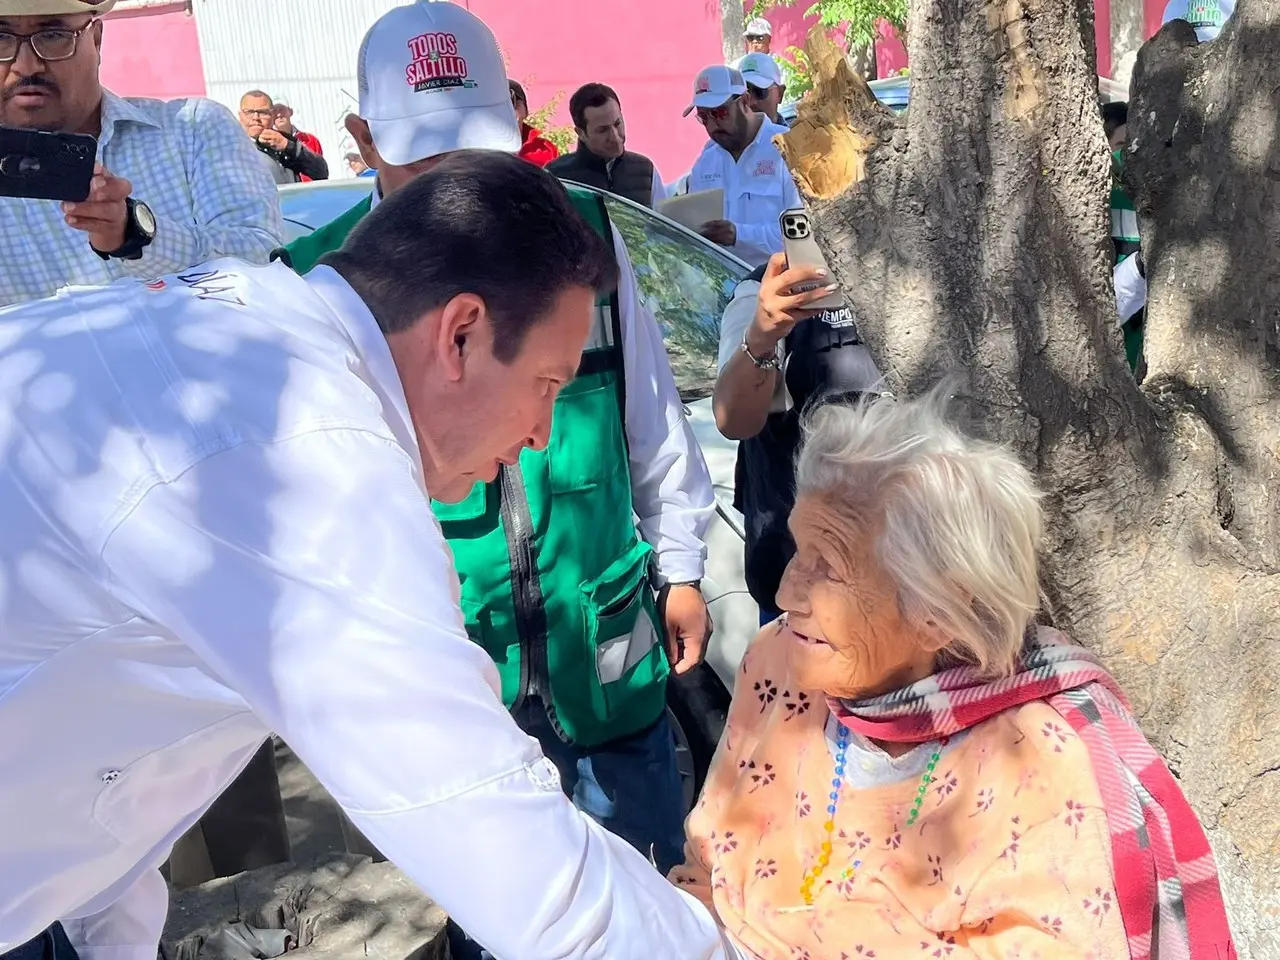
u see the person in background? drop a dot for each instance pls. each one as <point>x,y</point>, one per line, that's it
<point>176,183</point>
<point>741,159</point>
<point>282,122</point>
<point>1125,237</point>
<point>584,631</point>
<point>602,159</point>
<point>284,157</point>
<point>777,360</point>
<point>356,164</point>
<point>765,88</point>
<point>534,147</point>
<point>758,36</point>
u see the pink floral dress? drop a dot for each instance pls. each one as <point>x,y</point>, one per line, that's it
<point>1010,857</point>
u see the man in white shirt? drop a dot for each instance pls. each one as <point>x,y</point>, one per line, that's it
<point>178,183</point>
<point>216,491</point>
<point>741,159</point>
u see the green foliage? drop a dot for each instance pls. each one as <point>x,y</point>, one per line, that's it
<point>797,75</point>
<point>857,18</point>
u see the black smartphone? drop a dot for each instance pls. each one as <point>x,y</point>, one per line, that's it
<point>36,165</point>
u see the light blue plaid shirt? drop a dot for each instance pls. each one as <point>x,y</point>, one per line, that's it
<point>190,162</point>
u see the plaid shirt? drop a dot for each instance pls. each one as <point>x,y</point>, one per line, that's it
<point>191,163</point>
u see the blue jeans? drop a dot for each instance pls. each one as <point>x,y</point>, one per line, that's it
<point>630,786</point>
<point>50,945</point>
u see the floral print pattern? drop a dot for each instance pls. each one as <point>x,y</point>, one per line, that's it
<point>1010,855</point>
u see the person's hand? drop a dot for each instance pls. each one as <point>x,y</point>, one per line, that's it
<point>103,214</point>
<point>273,139</point>
<point>687,625</point>
<point>778,310</point>
<point>720,231</point>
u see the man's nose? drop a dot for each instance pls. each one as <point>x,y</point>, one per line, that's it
<point>540,435</point>
<point>26,63</point>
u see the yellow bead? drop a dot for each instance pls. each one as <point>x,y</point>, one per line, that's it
<point>824,859</point>
<point>826,846</point>
<point>829,826</point>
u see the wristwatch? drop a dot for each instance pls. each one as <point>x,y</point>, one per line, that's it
<point>139,231</point>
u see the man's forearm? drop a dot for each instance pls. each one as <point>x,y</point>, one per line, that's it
<point>743,394</point>
<point>299,159</point>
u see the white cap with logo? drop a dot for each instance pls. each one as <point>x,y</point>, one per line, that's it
<point>431,81</point>
<point>714,87</point>
<point>758,27</point>
<point>760,70</point>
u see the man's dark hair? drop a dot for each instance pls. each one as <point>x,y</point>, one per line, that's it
<point>1114,116</point>
<point>517,92</point>
<point>480,222</point>
<point>589,95</point>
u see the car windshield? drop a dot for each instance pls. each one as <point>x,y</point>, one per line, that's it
<point>684,280</point>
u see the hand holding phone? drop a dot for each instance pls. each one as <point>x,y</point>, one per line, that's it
<point>104,213</point>
<point>802,251</point>
<point>38,165</point>
<point>779,307</point>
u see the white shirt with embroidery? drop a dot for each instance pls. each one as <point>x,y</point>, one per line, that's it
<point>757,189</point>
<point>190,162</point>
<point>215,525</point>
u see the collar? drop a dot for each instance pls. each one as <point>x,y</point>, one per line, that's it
<point>590,159</point>
<point>116,110</point>
<point>375,197</point>
<point>363,329</point>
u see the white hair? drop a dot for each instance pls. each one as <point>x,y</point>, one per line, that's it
<point>959,519</point>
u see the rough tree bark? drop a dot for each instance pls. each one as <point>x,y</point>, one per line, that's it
<point>971,238</point>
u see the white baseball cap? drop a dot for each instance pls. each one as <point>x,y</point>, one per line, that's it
<point>431,81</point>
<point>758,27</point>
<point>714,87</point>
<point>760,70</point>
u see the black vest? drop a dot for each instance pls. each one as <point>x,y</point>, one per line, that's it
<point>631,175</point>
<point>820,368</point>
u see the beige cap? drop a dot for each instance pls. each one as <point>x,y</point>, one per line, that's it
<point>53,8</point>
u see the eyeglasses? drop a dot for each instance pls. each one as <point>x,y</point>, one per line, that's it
<point>755,38</point>
<point>49,45</point>
<point>757,93</point>
<point>707,114</point>
<point>257,111</point>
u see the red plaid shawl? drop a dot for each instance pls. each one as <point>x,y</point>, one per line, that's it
<point>1166,879</point>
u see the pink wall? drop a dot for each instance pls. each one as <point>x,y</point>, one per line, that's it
<point>649,52</point>
<point>152,53</point>
<point>791,26</point>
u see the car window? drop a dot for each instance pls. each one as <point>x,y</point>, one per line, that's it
<point>686,281</point>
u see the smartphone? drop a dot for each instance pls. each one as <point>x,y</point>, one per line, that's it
<point>802,251</point>
<point>36,165</point>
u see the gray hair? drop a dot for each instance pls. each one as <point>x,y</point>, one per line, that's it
<point>959,519</point>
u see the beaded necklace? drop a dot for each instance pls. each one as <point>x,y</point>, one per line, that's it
<point>828,827</point>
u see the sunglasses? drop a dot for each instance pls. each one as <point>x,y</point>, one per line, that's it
<point>707,114</point>
<point>757,93</point>
<point>755,38</point>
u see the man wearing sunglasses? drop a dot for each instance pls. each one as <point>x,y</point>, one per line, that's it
<point>758,35</point>
<point>740,159</point>
<point>177,182</point>
<point>765,90</point>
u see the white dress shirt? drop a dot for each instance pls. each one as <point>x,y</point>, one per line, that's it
<point>215,525</point>
<point>190,162</point>
<point>757,189</point>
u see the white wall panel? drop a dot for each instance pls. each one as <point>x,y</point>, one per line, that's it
<point>303,51</point>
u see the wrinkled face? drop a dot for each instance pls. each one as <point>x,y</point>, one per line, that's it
<point>256,114</point>
<point>758,43</point>
<point>605,132</point>
<point>727,124</point>
<point>848,636</point>
<point>472,411</point>
<point>59,91</point>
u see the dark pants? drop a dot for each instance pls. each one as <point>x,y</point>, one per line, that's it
<point>50,945</point>
<point>630,786</point>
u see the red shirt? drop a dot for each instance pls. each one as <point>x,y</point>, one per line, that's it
<point>536,148</point>
<point>312,143</point>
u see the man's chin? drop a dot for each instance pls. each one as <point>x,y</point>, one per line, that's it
<point>457,489</point>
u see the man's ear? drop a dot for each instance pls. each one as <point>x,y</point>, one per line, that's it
<point>358,127</point>
<point>461,334</point>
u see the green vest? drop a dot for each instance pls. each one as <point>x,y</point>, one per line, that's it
<point>555,579</point>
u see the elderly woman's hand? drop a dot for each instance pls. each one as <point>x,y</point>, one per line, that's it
<point>779,307</point>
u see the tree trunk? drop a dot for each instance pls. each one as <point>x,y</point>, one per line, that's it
<point>970,237</point>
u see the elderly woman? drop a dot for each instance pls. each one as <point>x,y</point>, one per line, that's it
<point>911,768</point>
